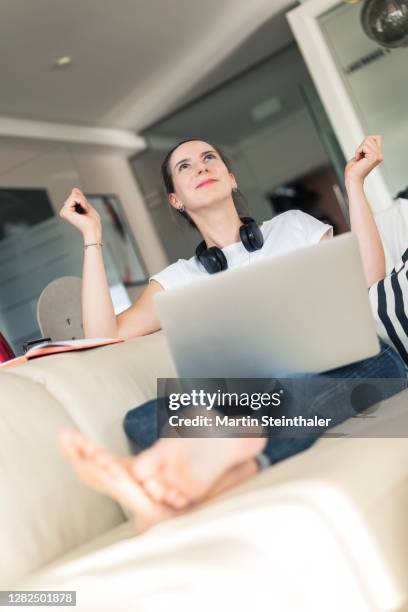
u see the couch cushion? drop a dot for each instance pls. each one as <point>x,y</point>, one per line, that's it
<point>45,511</point>
<point>334,514</point>
<point>247,548</point>
<point>98,386</point>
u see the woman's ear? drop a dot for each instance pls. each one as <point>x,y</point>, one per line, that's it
<point>234,183</point>
<point>173,200</point>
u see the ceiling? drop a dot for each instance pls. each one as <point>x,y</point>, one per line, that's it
<point>264,42</point>
<point>226,115</point>
<point>133,60</point>
<point>266,68</point>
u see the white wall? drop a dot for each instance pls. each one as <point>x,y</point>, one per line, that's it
<point>32,258</point>
<point>283,152</point>
<point>43,166</point>
<point>111,173</point>
<point>59,168</point>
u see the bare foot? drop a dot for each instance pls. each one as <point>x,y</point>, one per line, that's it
<point>234,477</point>
<point>111,475</point>
<point>181,471</point>
<point>104,472</point>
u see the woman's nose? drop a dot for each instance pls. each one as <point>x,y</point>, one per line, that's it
<point>201,167</point>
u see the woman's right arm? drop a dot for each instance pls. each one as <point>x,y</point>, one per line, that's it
<point>367,157</point>
<point>98,315</point>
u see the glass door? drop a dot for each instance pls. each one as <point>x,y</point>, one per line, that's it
<point>328,140</point>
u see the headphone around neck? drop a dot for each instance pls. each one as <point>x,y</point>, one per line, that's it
<point>214,260</point>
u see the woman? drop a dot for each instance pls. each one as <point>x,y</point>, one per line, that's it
<point>175,473</point>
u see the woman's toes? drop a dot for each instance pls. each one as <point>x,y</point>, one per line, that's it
<point>176,499</point>
<point>86,447</point>
<point>110,464</point>
<point>69,445</point>
<point>126,462</point>
<point>147,464</point>
<point>101,458</point>
<point>155,489</point>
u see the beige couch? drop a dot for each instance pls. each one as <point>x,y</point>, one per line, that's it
<point>325,530</point>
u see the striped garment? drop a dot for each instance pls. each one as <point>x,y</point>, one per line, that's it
<point>389,303</point>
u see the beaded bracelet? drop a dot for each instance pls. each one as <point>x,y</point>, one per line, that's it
<point>93,244</point>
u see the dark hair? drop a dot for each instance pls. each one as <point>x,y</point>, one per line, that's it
<point>169,183</point>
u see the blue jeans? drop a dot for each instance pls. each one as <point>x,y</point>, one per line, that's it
<point>330,399</point>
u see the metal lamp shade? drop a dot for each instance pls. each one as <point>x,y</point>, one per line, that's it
<point>386,22</point>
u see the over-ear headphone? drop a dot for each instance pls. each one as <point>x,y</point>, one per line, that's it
<point>214,260</point>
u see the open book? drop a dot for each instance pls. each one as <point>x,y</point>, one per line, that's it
<point>59,346</point>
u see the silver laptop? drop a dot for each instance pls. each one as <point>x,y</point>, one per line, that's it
<point>306,311</point>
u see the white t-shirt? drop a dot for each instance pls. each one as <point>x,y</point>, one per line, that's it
<point>283,233</point>
<point>392,224</point>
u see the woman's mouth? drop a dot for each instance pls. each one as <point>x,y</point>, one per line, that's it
<point>206,182</point>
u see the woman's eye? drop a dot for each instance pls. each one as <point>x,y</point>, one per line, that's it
<point>183,166</point>
<point>210,156</point>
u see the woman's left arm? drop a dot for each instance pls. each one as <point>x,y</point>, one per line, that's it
<point>367,157</point>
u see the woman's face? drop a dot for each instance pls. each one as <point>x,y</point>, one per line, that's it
<point>200,177</point>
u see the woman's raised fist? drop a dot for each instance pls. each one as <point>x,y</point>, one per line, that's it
<point>367,157</point>
<point>79,212</point>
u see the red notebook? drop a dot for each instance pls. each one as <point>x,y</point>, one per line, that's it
<point>62,346</point>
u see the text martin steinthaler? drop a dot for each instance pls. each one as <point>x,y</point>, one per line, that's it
<point>246,421</point>
<point>177,400</point>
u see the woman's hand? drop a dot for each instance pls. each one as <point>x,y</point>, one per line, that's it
<point>88,221</point>
<point>367,157</point>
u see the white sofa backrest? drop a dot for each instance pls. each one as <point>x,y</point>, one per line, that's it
<point>45,510</point>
